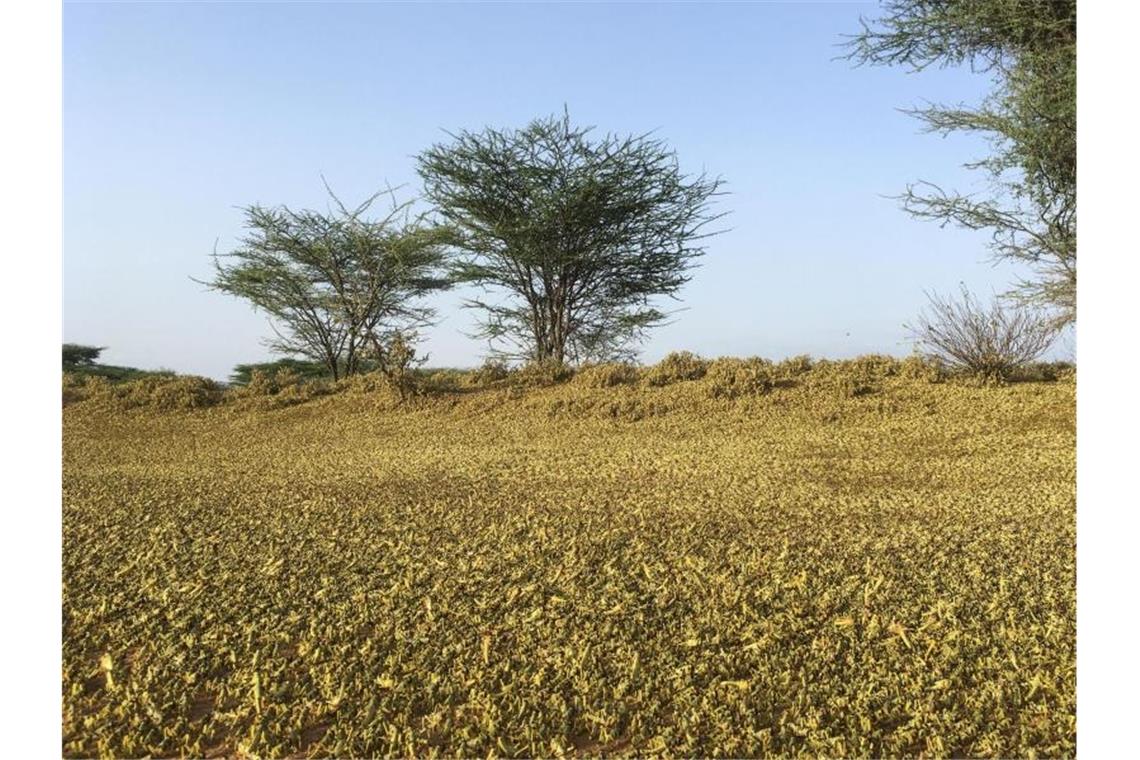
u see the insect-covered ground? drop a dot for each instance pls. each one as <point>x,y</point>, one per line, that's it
<point>882,566</point>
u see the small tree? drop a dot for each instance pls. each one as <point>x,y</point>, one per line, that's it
<point>75,354</point>
<point>395,356</point>
<point>579,234</point>
<point>332,281</point>
<point>989,341</point>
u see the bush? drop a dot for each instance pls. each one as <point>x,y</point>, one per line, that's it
<point>396,358</point>
<point>261,383</point>
<point>492,371</point>
<point>307,370</point>
<point>677,367</point>
<point>872,366</point>
<point>444,381</point>
<point>607,375</point>
<point>366,382</point>
<point>847,378</point>
<point>74,388</point>
<point>539,374</point>
<point>156,391</point>
<point>987,341</point>
<point>187,392</point>
<point>1046,372</point>
<point>921,369</point>
<point>732,378</point>
<point>283,386</point>
<point>793,366</point>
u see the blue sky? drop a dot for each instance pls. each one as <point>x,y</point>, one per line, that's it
<point>176,115</point>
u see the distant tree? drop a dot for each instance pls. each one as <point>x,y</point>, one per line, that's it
<point>1030,119</point>
<point>306,370</point>
<point>333,282</point>
<point>75,354</point>
<point>987,340</point>
<point>579,234</point>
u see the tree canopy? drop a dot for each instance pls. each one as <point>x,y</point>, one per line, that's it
<point>577,234</point>
<point>1028,47</point>
<point>336,285</point>
<point>75,354</point>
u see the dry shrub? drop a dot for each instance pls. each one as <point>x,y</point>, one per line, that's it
<point>287,377</point>
<point>74,388</point>
<point>97,385</point>
<point>261,383</point>
<point>729,377</point>
<point>378,390</point>
<point>793,367</point>
<point>607,375</point>
<point>366,382</point>
<point>283,387</point>
<point>922,369</point>
<point>189,392</point>
<point>164,393</point>
<point>492,371</point>
<point>848,378</point>
<point>677,367</point>
<point>1048,372</point>
<point>73,381</point>
<point>445,381</point>
<point>872,366</point>
<point>990,342</point>
<point>540,374</point>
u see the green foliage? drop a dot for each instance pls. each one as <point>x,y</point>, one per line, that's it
<point>677,367</point>
<point>82,361</point>
<point>579,234</point>
<point>75,354</point>
<point>334,283</point>
<point>1030,119</point>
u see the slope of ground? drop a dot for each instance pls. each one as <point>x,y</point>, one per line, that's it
<point>575,570</point>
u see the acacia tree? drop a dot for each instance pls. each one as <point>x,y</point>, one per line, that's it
<point>75,354</point>
<point>336,285</point>
<point>579,234</point>
<point>1030,120</point>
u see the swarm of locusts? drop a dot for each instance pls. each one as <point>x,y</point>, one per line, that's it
<point>728,558</point>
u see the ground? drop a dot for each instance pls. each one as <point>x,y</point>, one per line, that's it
<point>821,568</point>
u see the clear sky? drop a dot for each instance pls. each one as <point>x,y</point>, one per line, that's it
<point>175,115</point>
